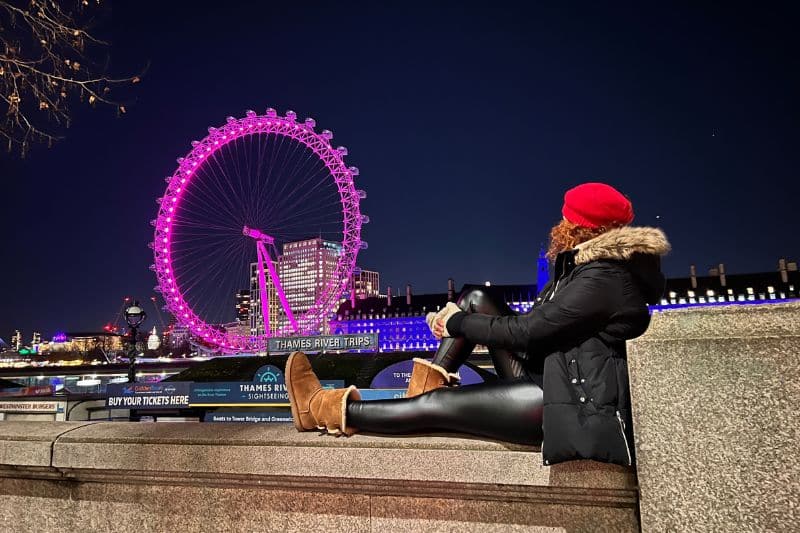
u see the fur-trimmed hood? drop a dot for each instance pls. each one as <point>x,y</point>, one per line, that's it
<point>640,248</point>
<point>621,243</point>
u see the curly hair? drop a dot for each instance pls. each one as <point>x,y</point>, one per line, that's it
<point>565,236</point>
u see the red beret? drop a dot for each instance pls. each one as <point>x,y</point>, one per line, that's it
<point>597,205</point>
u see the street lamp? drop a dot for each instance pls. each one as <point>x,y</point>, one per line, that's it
<point>134,316</point>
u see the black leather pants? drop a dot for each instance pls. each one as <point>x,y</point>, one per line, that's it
<point>509,409</point>
<point>454,351</point>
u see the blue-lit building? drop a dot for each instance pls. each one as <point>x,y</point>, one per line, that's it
<point>400,321</point>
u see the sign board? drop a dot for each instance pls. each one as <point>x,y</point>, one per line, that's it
<point>319,343</point>
<point>244,417</point>
<point>382,394</point>
<point>39,390</point>
<point>268,389</point>
<point>164,395</point>
<point>32,407</point>
<point>398,375</point>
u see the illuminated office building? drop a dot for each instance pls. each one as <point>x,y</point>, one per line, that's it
<point>243,306</point>
<point>303,267</point>
<point>36,340</point>
<point>367,284</point>
<point>16,340</point>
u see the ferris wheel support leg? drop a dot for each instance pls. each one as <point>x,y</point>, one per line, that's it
<point>262,287</point>
<point>277,282</point>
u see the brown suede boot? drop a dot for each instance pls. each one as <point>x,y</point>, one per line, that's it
<point>426,377</point>
<point>312,406</point>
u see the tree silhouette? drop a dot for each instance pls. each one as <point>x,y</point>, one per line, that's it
<point>48,60</point>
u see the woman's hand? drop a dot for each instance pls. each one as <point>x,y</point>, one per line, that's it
<point>438,328</point>
<point>437,322</point>
<point>432,321</point>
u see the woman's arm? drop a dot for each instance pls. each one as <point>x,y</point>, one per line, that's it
<point>582,307</point>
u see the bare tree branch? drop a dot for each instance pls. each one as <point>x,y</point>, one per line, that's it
<point>48,60</point>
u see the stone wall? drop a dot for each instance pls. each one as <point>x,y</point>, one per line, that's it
<point>208,477</point>
<point>715,405</point>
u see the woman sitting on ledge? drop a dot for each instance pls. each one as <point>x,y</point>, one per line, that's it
<point>563,377</point>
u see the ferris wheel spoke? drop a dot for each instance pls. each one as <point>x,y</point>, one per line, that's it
<point>271,164</point>
<point>293,206</point>
<point>294,210</point>
<point>222,185</point>
<point>187,218</point>
<point>240,155</point>
<point>222,190</point>
<point>206,269</point>
<point>285,184</point>
<point>309,222</point>
<point>309,218</point>
<point>203,205</point>
<point>202,257</point>
<point>311,184</point>
<point>204,193</point>
<point>262,141</point>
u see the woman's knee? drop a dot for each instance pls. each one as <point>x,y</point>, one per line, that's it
<point>478,300</point>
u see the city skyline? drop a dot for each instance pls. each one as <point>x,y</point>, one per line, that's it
<point>694,119</point>
<point>367,287</point>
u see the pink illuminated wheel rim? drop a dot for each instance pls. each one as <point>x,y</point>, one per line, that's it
<point>250,187</point>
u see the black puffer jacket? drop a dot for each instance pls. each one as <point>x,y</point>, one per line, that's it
<point>576,332</point>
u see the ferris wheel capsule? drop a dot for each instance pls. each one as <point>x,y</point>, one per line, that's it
<point>230,120</point>
<point>212,129</point>
<point>271,113</point>
<point>310,123</point>
<point>361,193</point>
<point>250,113</point>
<point>195,143</point>
<point>353,170</point>
<point>342,150</point>
<point>291,116</point>
<point>364,219</point>
<point>363,245</point>
<point>327,135</point>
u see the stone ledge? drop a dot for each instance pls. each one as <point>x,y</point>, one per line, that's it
<point>733,321</point>
<point>31,443</point>
<point>275,456</point>
<point>120,476</point>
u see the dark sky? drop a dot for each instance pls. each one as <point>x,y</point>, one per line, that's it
<point>468,123</point>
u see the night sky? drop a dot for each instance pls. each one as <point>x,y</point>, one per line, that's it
<point>467,124</point>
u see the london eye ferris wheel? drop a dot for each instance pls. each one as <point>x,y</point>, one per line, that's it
<point>266,205</point>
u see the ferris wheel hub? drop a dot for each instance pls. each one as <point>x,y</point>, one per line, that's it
<point>257,235</point>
